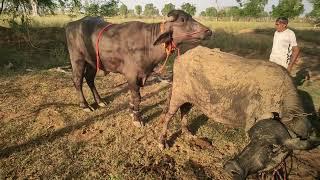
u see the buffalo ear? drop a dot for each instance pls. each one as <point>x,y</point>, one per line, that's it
<point>163,38</point>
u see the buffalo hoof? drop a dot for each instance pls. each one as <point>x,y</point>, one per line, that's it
<point>188,134</point>
<point>87,109</point>
<point>138,124</point>
<point>137,120</point>
<point>102,104</point>
<point>163,145</point>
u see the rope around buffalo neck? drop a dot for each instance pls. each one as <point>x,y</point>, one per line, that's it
<point>97,46</point>
<point>171,47</point>
<point>276,173</point>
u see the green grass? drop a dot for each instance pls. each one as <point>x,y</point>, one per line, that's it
<point>247,45</point>
<point>236,26</point>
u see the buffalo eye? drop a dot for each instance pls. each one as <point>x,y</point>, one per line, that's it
<point>182,20</point>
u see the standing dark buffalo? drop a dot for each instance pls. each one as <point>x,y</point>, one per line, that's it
<point>132,49</point>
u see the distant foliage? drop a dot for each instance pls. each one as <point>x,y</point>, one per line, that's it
<point>233,12</point>
<point>253,8</point>
<point>150,10</point>
<point>189,8</point>
<point>123,10</point>
<point>167,8</point>
<point>131,13</point>
<point>246,8</point>
<point>210,12</point>
<point>288,8</point>
<point>92,9</point>
<point>138,9</point>
<point>75,6</point>
<point>27,7</point>
<point>110,8</point>
<point>315,13</point>
<point>71,7</point>
<point>240,2</point>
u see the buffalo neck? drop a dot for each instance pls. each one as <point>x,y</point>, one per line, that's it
<point>159,50</point>
<point>155,32</point>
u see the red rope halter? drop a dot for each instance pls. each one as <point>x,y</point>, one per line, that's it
<point>170,47</point>
<point>97,46</point>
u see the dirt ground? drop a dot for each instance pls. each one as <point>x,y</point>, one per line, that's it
<point>45,135</point>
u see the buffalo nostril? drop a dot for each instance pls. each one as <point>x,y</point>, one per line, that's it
<point>209,32</point>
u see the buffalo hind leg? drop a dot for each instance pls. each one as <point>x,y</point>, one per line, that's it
<point>90,74</point>
<point>185,109</point>
<point>78,67</point>
<point>135,102</point>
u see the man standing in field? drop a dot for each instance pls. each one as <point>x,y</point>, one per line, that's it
<point>285,50</point>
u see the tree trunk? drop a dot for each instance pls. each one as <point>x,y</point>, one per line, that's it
<point>34,6</point>
<point>1,6</point>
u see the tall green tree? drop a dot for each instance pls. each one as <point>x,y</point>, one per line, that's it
<point>222,13</point>
<point>233,12</point>
<point>110,8</point>
<point>253,8</point>
<point>123,10</point>
<point>131,13</point>
<point>167,8</point>
<point>203,13</point>
<point>150,10</point>
<point>189,8</point>
<point>27,7</point>
<point>138,9</point>
<point>316,9</point>
<point>240,2</point>
<point>92,9</point>
<point>211,12</point>
<point>75,6</point>
<point>288,8</point>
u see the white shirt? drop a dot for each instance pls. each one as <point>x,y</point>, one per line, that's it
<point>282,47</point>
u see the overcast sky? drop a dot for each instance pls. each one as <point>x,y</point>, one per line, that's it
<point>201,4</point>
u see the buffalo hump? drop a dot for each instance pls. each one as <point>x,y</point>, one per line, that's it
<point>236,91</point>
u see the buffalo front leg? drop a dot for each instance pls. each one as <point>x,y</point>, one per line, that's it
<point>135,103</point>
<point>90,74</point>
<point>163,136</point>
<point>78,67</point>
<point>167,103</point>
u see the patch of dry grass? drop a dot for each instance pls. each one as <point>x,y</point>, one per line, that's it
<point>45,135</point>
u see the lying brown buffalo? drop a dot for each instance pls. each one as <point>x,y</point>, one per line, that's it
<point>233,91</point>
<point>132,49</point>
<point>270,143</point>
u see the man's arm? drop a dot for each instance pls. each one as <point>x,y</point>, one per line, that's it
<point>294,57</point>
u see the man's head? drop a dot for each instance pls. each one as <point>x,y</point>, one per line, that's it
<point>281,24</point>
